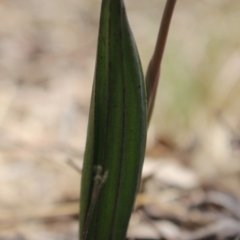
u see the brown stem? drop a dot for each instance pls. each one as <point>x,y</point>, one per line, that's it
<point>153,72</point>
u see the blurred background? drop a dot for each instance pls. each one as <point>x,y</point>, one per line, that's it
<point>191,177</point>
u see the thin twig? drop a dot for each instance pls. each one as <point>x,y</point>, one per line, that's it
<point>153,71</point>
<point>74,165</point>
<point>99,179</point>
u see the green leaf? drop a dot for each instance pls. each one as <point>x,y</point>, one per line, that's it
<point>116,132</point>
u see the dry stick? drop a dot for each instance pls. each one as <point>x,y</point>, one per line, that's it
<point>153,71</point>
<point>74,165</point>
<point>99,180</point>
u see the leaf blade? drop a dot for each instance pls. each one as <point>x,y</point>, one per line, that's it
<point>117,126</point>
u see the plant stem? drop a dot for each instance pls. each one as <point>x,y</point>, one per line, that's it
<point>153,72</point>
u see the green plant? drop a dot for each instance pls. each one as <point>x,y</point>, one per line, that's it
<point>117,126</point>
